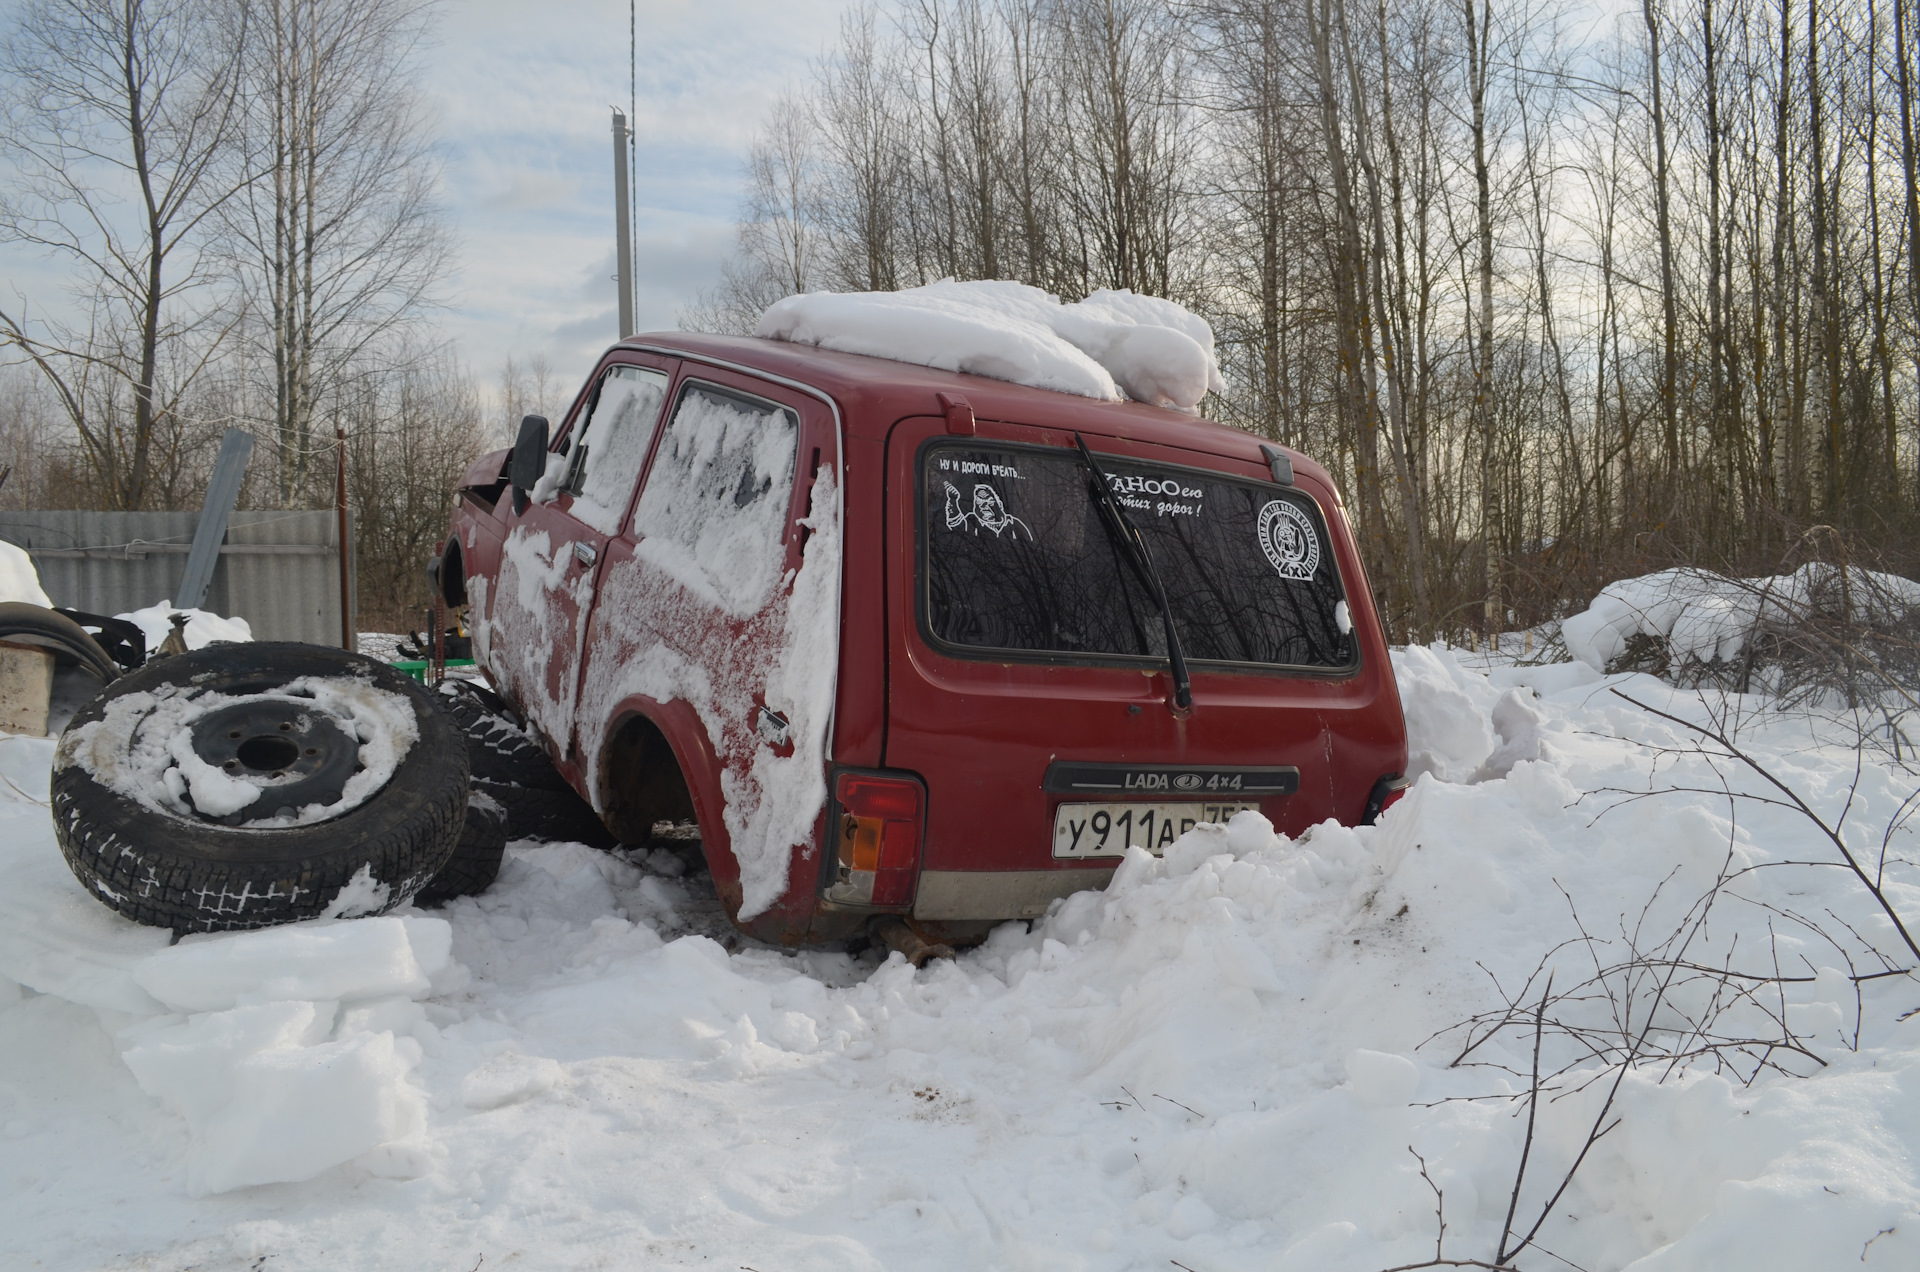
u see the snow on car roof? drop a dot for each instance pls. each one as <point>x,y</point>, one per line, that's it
<point>874,392</point>
<point>1112,346</point>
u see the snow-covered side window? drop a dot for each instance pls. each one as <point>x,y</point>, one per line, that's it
<point>611,446</point>
<point>713,514</point>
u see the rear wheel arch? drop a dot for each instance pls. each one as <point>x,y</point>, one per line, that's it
<point>643,779</point>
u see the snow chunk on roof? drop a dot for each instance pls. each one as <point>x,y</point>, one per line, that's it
<point>1113,345</point>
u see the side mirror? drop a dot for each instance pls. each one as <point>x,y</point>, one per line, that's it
<point>529,462</point>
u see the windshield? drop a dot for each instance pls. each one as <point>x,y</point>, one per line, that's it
<point>1016,557</point>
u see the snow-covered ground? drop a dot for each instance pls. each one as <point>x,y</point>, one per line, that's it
<point>1221,1063</point>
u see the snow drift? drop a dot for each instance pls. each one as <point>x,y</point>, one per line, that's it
<point>1113,345</point>
<point>287,1062</point>
<point>1706,617</point>
<point>1220,1061</point>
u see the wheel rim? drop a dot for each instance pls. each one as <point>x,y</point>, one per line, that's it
<point>295,753</point>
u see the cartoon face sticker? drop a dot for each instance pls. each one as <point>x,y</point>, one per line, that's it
<point>1287,537</point>
<point>989,512</point>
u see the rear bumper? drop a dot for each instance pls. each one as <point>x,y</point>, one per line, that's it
<point>1000,894</point>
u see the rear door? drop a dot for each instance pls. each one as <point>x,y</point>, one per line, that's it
<point>1030,668</point>
<point>723,595</point>
<point>551,556</point>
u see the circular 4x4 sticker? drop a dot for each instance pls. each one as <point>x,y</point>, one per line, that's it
<point>1287,537</point>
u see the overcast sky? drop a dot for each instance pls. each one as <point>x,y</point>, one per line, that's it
<point>523,92</point>
<point>519,94</point>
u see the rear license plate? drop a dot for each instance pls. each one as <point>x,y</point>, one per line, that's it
<point>1106,830</point>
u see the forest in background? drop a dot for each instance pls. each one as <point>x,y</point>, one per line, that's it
<point>1560,295</point>
<point>245,198</point>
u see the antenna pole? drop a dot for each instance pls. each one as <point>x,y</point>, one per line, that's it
<point>623,223</point>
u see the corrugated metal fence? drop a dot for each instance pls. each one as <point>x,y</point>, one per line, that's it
<point>278,570</point>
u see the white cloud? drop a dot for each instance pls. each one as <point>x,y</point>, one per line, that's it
<point>519,94</point>
<point>524,92</point>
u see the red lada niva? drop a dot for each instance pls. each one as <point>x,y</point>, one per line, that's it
<point>915,645</point>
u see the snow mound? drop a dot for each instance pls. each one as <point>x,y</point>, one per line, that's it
<point>1706,617</point>
<point>1220,1062</point>
<point>19,581</point>
<point>204,627</point>
<point>283,1070</point>
<point>1448,733</point>
<point>1113,345</point>
<point>369,958</point>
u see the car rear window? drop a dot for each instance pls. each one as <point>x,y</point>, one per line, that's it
<point>1017,557</point>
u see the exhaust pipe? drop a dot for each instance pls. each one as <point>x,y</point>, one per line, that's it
<point>899,936</point>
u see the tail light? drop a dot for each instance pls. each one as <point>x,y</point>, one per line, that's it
<point>1386,793</point>
<point>877,858</point>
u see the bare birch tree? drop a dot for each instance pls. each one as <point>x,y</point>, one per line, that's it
<point>117,120</point>
<point>338,235</point>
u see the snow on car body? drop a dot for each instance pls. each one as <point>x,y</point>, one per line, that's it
<point>869,624</point>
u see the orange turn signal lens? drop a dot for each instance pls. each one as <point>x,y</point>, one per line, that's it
<point>879,849</point>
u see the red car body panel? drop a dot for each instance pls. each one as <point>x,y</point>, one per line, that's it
<point>978,731</point>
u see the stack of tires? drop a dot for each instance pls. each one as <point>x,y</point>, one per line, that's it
<point>315,843</point>
<point>511,770</point>
<point>152,809</point>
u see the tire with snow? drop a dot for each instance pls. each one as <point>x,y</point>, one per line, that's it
<point>499,749</point>
<point>511,768</point>
<point>358,788</point>
<point>476,858</point>
<point>552,816</point>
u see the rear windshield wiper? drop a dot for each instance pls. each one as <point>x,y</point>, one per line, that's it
<point>1115,515</point>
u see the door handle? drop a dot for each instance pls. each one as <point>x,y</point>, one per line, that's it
<point>585,554</point>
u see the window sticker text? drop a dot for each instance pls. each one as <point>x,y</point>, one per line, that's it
<point>1161,496</point>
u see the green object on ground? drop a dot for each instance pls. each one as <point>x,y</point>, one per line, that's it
<point>417,667</point>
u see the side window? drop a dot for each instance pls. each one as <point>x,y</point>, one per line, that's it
<point>610,447</point>
<point>714,510</point>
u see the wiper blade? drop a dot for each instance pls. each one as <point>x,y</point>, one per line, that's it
<point>1115,515</point>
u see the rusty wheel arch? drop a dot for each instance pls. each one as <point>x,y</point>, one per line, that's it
<point>641,782</point>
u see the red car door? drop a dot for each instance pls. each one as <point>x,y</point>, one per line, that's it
<point>717,618</point>
<point>551,556</point>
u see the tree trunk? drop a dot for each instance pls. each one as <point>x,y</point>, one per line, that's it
<point>1663,228</point>
<point>1479,27</point>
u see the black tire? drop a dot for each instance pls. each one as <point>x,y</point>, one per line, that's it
<point>190,874</point>
<point>476,858</point>
<point>552,816</point>
<point>37,625</point>
<point>499,749</point>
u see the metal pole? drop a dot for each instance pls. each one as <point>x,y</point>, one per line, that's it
<point>623,223</point>
<point>222,490</point>
<point>437,657</point>
<point>340,513</point>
